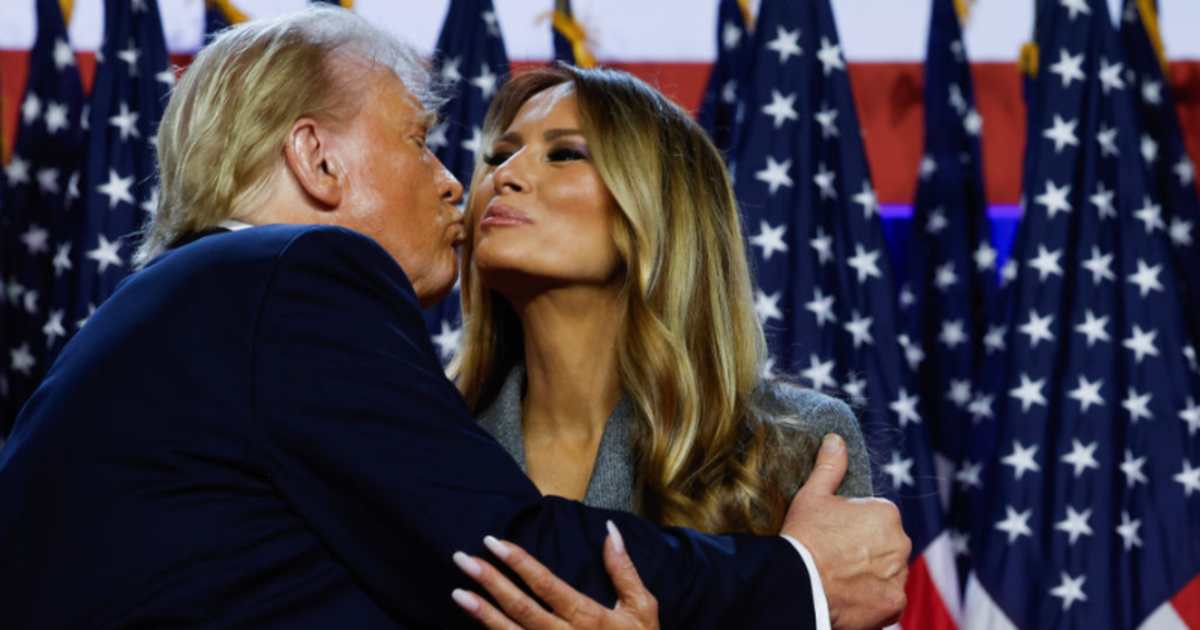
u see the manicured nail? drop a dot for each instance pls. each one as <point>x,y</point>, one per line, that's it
<point>467,564</point>
<point>465,599</point>
<point>833,443</point>
<point>496,547</point>
<point>618,542</point>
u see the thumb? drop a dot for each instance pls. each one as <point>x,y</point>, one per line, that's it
<point>630,590</point>
<point>828,470</point>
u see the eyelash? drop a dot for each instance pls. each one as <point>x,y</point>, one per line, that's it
<point>561,154</point>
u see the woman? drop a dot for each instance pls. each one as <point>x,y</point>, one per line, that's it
<point>610,339</point>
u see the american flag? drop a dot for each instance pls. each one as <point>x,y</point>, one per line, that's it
<point>40,180</point>
<point>1088,490</point>
<point>570,40</point>
<point>470,60</point>
<point>1162,146</point>
<point>218,16</point>
<point>825,291</point>
<point>718,106</point>
<point>133,76</point>
<point>952,263</point>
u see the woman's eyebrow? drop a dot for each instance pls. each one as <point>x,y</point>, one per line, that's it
<point>554,134</point>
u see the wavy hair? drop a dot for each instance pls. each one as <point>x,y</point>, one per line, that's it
<point>708,456</point>
<point>223,129</point>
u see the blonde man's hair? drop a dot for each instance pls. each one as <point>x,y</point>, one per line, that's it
<point>225,125</point>
<point>692,350</point>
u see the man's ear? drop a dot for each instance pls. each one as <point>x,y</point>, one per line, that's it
<point>311,159</point>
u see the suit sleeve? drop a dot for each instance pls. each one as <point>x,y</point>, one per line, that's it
<point>376,452</point>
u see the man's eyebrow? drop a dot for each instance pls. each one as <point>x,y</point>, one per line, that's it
<point>550,135</point>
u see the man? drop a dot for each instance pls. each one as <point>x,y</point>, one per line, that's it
<point>255,431</point>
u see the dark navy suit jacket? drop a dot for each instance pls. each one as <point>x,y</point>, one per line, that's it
<point>254,431</point>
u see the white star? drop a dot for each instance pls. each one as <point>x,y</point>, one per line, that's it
<point>1008,272</point>
<point>731,35</point>
<point>1100,265</point>
<point>489,18</point>
<point>56,117</point>
<point>35,239</point>
<point>449,70</point>
<point>1181,232</point>
<point>973,122</point>
<point>823,243</point>
<point>1046,263</point>
<point>1189,353</point>
<point>48,180</point>
<point>1151,216</point>
<point>981,407</point>
<point>1075,524</point>
<point>85,113</point>
<point>767,306</point>
<point>1128,531</point>
<point>770,239</point>
<point>1141,342</point>
<point>781,108</point>
<point>867,200</point>
<point>63,55</point>
<point>822,307</point>
<point>993,341</point>
<point>30,299</point>
<point>1062,133</point>
<point>447,340</point>
<point>166,77</point>
<point>830,56</point>
<point>106,253</point>
<point>969,475</point>
<point>775,174</point>
<point>436,138</point>
<point>824,180</point>
<point>865,263</point>
<point>1015,524</point>
<point>956,99</point>
<point>472,144</point>
<point>786,43</point>
<point>819,374</point>
<point>14,290</point>
<point>768,369</point>
<point>486,81</point>
<point>1069,67</point>
<point>116,188</point>
<point>1138,406</point>
<point>952,333</point>
<point>1149,149</point>
<point>1088,393</point>
<point>1070,590</point>
<point>827,118</point>
<point>31,109</point>
<point>73,186</point>
<point>1021,459</point>
<point>860,329</point>
<point>54,327</point>
<point>1094,328</point>
<point>1103,200</point>
<point>928,167</point>
<point>62,259</point>
<point>1189,477</point>
<point>907,297</point>
<point>912,351</point>
<point>1191,416</point>
<point>84,320</point>
<point>956,48</point>
<point>937,221</point>
<point>900,470</point>
<point>729,94</point>
<point>1082,456</point>
<point>130,56</point>
<point>1076,7</point>
<point>139,6</point>
<point>1038,328</point>
<point>1185,170</point>
<point>1029,392</point>
<point>960,542</point>
<point>1152,92</point>
<point>855,388</point>
<point>985,257</point>
<point>905,408</point>
<point>150,205</point>
<point>21,359</point>
<point>17,171</point>
<point>1055,199</point>
<point>959,392</point>
<point>1132,469</point>
<point>1110,76</point>
<point>1146,278</point>
<point>1107,137</point>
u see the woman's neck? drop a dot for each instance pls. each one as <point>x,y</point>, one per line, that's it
<point>572,381</point>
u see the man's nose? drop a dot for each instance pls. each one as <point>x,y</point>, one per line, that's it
<point>450,188</point>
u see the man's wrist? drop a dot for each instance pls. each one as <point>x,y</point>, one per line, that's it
<point>820,603</point>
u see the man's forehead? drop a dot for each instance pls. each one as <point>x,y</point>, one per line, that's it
<point>392,93</point>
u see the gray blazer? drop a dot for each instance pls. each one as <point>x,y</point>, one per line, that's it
<point>611,485</point>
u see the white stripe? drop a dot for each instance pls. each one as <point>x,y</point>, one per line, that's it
<point>981,612</point>
<point>1164,618</point>
<point>943,570</point>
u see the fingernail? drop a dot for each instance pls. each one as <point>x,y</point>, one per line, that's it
<point>496,547</point>
<point>468,564</point>
<point>833,443</point>
<point>618,542</point>
<point>465,599</point>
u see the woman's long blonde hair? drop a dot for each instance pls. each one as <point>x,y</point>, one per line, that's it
<point>692,350</point>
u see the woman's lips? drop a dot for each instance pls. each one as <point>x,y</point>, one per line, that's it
<point>502,215</point>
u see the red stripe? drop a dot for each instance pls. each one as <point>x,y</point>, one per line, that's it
<point>1187,603</point>
<point>925,609</point>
